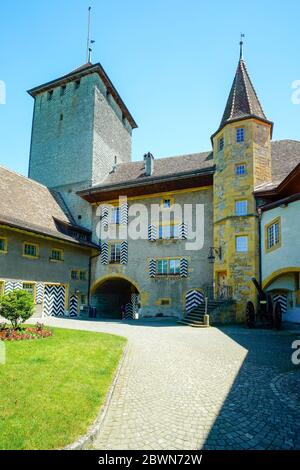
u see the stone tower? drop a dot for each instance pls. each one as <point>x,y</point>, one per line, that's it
<point>242,154</point>
<point>81,129</point>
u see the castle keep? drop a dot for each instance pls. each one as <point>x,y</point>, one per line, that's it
<point>80,166</point>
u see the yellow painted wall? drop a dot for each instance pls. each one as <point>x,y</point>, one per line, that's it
<point>255,152</point>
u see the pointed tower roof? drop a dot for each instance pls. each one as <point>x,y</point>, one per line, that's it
<point>243,101</point>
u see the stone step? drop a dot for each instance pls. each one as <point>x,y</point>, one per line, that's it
<point>193,325</point>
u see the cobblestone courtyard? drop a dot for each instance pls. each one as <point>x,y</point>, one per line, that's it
<point>216,388</point>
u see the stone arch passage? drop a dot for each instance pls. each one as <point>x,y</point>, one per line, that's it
<point>109,296</point>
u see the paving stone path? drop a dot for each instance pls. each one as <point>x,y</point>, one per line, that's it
<point>183,388</point>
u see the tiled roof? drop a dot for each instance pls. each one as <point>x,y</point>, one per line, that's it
<point>242,100</point>
<point>135,171</point>
<point>31,206</point>
<point>285,157</point>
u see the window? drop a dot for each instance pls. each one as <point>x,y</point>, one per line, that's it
<point>165,301</point>
<point>74,274</point>
<point>241,207</point>
<point>3,245</point>
<point>168,231</point>
<point>77,274</point>
<point>83,299</point>
<point>77,84</point>
<point>50,95</point>
<point>31,250</point>
<point>221,143</point>
<point>241,244</point>
<point>273,235</point>
<point>63,90</point>
<point>30,288</point>
<point>115,253</point>
<point>115,216</point>
<point>162,266</point>
<point>167,203</point>
<point>240,134</point>
<point>57,255</point>
<point>168,266</point>
<point>61,117</point>
<point>240,169</point>
<point>174,266</point>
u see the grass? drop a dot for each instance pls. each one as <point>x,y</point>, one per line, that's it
<point>52,389</point>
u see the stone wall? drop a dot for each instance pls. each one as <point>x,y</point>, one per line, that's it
<point>140,252</point>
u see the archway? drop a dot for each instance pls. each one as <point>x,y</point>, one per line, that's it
<point>112,295</point>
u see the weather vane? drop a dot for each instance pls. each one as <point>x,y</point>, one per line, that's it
<point>90,42</point>
<point>241,46</point>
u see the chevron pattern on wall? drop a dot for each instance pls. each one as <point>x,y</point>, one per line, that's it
<point>183,231</point>
<point>152,233</point>
<point>135,300</point>
<point>152,268</point>
<point>8,287</point>
<point>124,213</point>
<point>73,307</point>
<point>104,217</point>
<point>193,299</point>
<point>124,253</point>
<point>282,299</point>
<point>129,311</point>
<point>18,285</point>
<point>39,292</point>
<point>54,300</point>
<point>184,267</point>
<point>104,253</point>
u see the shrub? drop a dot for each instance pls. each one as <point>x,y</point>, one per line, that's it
<point>16,307</point>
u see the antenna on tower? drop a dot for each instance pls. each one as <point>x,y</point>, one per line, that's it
<point>242,46</point>
<point>89,42</point>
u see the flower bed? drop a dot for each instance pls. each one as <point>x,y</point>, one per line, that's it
<point>18,334</point>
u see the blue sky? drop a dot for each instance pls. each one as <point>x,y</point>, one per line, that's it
<point>172,61</point>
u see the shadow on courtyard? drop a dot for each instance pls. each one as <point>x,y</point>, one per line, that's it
<point>257,412</point>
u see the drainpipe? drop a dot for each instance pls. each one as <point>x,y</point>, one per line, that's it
<point>259,245</point>
<point>90,275</point>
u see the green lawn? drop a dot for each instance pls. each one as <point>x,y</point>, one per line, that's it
<point>51,389</point>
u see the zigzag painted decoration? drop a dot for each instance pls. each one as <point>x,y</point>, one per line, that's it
<point>73,308</point>
<point>104,253</point>
<point>193,299</point>
<point>129,311</point>
<point>124,253</point>
<point>183,267</point>
<point>54,300</point>
<point>152,268</point>
<point>135,298</point>
<point>104,217</point>
<point>124,213</point>
<point>18,285</point>
<point>8,287</point>
<point>282,299</point>
<point>39,292</point>
<point>152,233</point>
<point>183,231</point>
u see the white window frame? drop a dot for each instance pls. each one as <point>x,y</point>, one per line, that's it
<point>241,243</point>
<point>115,253</point>
<point>241,207</point>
